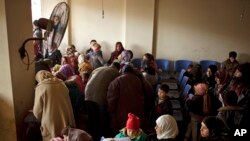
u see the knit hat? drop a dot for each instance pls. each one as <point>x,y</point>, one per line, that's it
<point>133,122</point>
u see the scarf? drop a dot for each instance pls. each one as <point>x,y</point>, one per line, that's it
<point>168,126</point>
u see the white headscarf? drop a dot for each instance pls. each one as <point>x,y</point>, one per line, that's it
<point>168,126</point>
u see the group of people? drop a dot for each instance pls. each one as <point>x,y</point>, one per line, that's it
<point>222,93</point>
<point>83,92</point>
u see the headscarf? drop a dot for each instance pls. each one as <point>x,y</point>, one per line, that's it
<point>79,135</point>
<point>43,75</point>
<point>223,76</point>
<point>202,89</point>
<point>66,70</point>
<point>168,125</point>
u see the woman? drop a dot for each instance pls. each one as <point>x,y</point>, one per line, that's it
<point>118,50</point>
<point>212,129</point>
<point>52,105</point>
<point>166,129</point>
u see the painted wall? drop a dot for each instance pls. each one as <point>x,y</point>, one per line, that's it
<point>7,118</point>
<point>195,30</point>
<point>16,82</point>
<point>88,22</point>
<point>198,30</point>
<point>139,26</point>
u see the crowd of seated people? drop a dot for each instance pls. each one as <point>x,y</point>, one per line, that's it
<point>98,98</point>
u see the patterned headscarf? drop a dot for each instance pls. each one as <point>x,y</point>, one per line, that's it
<point>202,89</point>
<point>66,70</point>
<point>44,75</point>
<point>168,125</point>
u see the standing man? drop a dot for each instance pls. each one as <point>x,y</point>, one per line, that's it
<point>231,63</point>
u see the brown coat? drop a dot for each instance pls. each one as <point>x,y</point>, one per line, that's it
<point>52,105</point>
<point>125,95</point>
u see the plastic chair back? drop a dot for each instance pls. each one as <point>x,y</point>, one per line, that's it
<point>162,64</point>
<point>181,64</point>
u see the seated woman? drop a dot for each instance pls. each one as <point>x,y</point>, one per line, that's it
<point>132,129</point>
<point>166,129</point>
<point>118,50</point>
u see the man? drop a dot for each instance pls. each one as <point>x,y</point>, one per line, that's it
<point>99,80</point>
<point>231,63</point>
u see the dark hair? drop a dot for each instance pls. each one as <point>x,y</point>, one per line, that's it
<point>150,70</point>
<point>213,69</point>
<point>93,40</point>
<point>232,54</point>
<point>149,56</point>
<point>116,65</point>
<point>164,87</point>
<point>245,69</point>
<point>230,98</point>
<point>35,22</point>
<point>215,125</point>
<point>128,69</point>
<point>131,53</point>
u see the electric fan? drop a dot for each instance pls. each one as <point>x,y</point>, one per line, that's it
<point>55,28</point>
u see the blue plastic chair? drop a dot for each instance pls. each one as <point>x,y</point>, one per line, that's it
<point>183,82</point>
<point>162,64</point>
<point>136,62</point>
<point>181,74</point>
<point>186,90</point>
<point>181,64</point>
<point>163,68</point>
<point>205,63</point>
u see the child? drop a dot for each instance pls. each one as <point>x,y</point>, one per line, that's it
<point>132,129</point>
<point>162,104</point>
<point>84,64</point>
<point>95,57</point>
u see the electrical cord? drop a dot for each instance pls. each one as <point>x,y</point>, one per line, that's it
<point>23,52</point>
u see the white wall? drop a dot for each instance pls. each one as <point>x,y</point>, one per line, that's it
<point>87,24</point>
<point>198,30</point>
<point>139,26</point>
<point>16,82</point>
<point>192,30</point>
<point>7,118</point>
